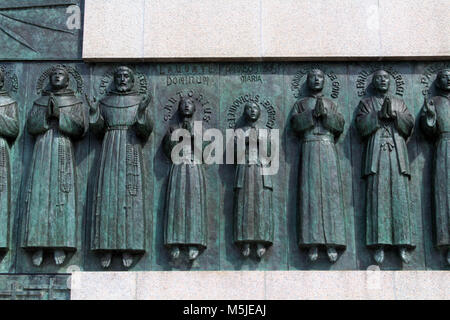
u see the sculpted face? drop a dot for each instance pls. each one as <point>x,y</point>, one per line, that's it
<point>443,80</point>
<point>252,111</point>
<point>381,81</point>
<point>316,80</point>
<point>59,79</point>
<point>123,80</point>
<point>186,107</point>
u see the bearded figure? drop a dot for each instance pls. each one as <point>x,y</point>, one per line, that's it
<point>123,120</point>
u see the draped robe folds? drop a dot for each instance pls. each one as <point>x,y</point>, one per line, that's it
<point>321,204</point>
<point>253,214</point>
<point>119,211</point>
<point>439,126</point>
<point>386,170</point>
<point>51,199</point>
<point>9,129</point>
<point>185,204</point>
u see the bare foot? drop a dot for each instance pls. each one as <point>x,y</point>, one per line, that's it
<point>379,256</point>
<point>175,252</point>
<point>59,256</point>
<point>260,250</point>
<point>313,254</point>
<point>37,258</point>
<point>246,249</point>
<point>127,259</point>
<point>404,255</point>
<point>193,253</point>
<point>105,260</point>
<point>332,254</point>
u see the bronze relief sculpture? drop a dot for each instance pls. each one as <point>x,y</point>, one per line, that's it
<point>435,121</point>
<point>9,130</point>
<point>55,120</point>
<point>123,119</point>
<point>185,204</point>
<point>385,123</point>
<point>321,220</point>
<point>253,214</point>
<point>60,192</point>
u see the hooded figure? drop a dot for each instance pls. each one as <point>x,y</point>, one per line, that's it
<point>119,214</point>
<point>55,120</point>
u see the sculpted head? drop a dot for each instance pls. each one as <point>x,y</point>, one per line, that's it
<point>252,111</point>
<point>2,78</point>
<point>316,80</point>
<point>443,80</point>
<point>381,81</point>
<point>123,79</point>
<point>59,78</point>
<point>186,107</point>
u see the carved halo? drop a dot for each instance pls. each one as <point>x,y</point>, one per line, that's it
<point>43,79</point>
<point>429,75</point>
<point>331,87</point>
<point>140,81</point>
<point>364,80</point>
<point>11,79</point>
<point>202,105</point>
<point>235,112</point>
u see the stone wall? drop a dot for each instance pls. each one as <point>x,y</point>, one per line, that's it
<point>266,29</point>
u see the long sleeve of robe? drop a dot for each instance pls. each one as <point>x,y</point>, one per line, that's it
<point>253,214</point>
<point>119,210</point>
<point>185,203</point>
<point>437,127</point>
<point>9,130</point>
<point>321,205</point>
<point>386,169</point>
<point>51,200</point>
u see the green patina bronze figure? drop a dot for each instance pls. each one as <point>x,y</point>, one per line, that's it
<point>253,214</point>
<point>55,119</point>
<point>385,123</point>
<point>186,220</point>
<point>9,129</point>
<point>321,220</point>
<point>119,220</point>
<point>435,121</point>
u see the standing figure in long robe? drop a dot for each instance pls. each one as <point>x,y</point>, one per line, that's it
<point>321,204</point>
<point>119,212</point>
<point>385,123</point>
<point>435,121</point>
<point>253,214</point>
<point>9,129</point>
<point>185,205</point>
<point>55,120</point>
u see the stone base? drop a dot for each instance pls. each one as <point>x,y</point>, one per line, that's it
<point>34,287</point>
<point>261,285</point>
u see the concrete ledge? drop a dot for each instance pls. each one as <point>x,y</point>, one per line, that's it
<point>261,285</point>
<point>265,30</point>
